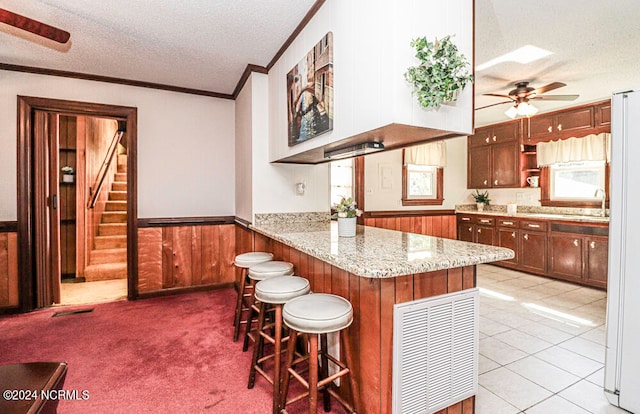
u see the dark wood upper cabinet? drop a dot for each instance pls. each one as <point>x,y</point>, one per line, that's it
<point>575,122</point>
<point>479,171</point>
<point>493,156</point>
<point>603,114</point>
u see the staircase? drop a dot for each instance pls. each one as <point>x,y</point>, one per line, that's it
<point>108,257</point>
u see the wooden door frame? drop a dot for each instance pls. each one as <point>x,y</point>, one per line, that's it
<point>26,235</point>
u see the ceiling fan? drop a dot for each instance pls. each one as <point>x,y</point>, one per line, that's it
<point>34,26</point>
<point>523,93</point>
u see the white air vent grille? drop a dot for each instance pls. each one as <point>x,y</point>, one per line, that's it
<point>435,354</point>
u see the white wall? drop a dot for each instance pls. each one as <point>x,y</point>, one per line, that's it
<point>185,143</point>
<point>387,196</point>
<point>244,151</point>
<point>273,188</point>
<point>371,54</point>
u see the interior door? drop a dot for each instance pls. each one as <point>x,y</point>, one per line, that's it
<point>46,213</point>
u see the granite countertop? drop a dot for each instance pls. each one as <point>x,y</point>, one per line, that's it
<point>380,253</point>
<point>547,216</point>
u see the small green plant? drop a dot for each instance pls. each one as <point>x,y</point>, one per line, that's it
<point>482,197</point>
<point>442,73</point>
<point>346,208</point>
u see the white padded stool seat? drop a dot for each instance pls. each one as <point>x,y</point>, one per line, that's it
<point>252,258</point>
<point>265,270</point>
<point>281,289</point>
<point>318,313</point>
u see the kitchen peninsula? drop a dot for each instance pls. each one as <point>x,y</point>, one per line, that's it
<point>375,270</point>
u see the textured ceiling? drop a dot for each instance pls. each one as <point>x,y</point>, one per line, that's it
<point>206,44</point>
<point>199,44</point>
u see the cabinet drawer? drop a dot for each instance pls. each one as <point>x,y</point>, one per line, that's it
<point>485,221</point>
<point>502,222</point>
<point>466,219</point>
<point>534,225</point>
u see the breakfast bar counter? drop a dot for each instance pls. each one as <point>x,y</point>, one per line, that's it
<point>375,270</point>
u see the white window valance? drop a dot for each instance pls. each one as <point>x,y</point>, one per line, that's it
<point>432,153</point>
<point>589,148</point>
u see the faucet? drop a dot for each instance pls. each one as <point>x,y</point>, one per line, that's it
<point>600,192</point>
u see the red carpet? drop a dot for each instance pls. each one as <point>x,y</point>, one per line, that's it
<point>162,355</point>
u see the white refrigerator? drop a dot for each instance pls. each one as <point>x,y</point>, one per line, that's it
<point>622,359</point>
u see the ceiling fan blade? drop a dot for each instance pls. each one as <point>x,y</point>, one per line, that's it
<point>555,97</point>
<point>549,87</point>
<point>495,104</point>
<point>498,95</point>
<point>33,26</point>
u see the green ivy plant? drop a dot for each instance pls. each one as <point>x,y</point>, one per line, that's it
<point>442,73</point>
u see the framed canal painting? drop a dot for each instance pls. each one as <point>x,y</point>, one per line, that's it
<point>310,93</point>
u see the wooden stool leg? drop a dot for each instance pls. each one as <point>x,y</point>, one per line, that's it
<point>324,371</point>
<point>251,313</point>
<point>239,303</point>
<point>313,373</point>
<point>256,349</point>
<point>291,351</point>
<point>355,393</point>
<point>277,359</point>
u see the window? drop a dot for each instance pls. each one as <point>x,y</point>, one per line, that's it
<point>421,185</point>
<point>576,181</point>
<point>341,180</point>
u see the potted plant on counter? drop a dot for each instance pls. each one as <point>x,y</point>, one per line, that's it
<point>347,214</point>
<point>482,199</point>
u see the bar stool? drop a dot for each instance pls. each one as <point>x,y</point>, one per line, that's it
<point>275,292</point>
<point>316,315</point>
<point>245,261</point>
<point>258,272</point>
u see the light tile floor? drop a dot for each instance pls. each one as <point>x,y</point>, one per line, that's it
<point>541,345</point>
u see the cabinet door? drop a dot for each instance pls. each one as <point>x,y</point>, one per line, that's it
<point>505,160</point>
<point>566,257</point>
<point>570,122</point>
<point>484,235</point>
<point>509,131</point>
<point>533,251</point>
<point>541,127</point>
<point>479,168</point>
<point>481,137</point>
<point>603,114</point>
<point>597,253</point>
<point>508,238</point>
<point>465,232</point>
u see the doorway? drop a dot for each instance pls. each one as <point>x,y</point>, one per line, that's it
<point>51,213</point>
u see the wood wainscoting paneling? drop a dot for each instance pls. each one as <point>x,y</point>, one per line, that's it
<point>371,333</point>
<point>440,223</point>
<point>9,295</point>
<point>177,257</point>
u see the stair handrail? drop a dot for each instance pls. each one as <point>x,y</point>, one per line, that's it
<point>104,168</point>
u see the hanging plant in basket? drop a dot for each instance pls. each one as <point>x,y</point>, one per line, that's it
<point>442,73</point>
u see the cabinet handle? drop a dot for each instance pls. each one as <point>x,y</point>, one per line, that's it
<point>526,237</point>
<point>559,127</point>
<point>575,242</point>
<point>465,218</point>
<point>495,182</point>
<point>592,244</point>
<point>494,138</point>
<point>486,140</point>
<point>485,221</point>
<point>550,129</point>
<point>508,223</point>
<point>535,226</point>
<point>513,234</point>
<point>470,229</point>
<point>485,182</point>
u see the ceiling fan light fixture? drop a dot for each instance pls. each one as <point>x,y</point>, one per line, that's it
<point>521,109</point>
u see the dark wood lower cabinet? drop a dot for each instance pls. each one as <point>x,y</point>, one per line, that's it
<point>571,251</point>
<point>533,251</point>
<point>597,254</point>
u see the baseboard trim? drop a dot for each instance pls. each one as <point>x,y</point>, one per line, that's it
<point>181,290</point>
